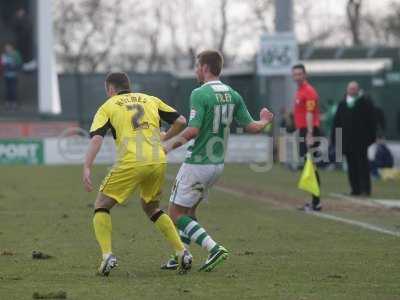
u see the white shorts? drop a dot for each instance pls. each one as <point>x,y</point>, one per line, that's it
<point>193,182</point>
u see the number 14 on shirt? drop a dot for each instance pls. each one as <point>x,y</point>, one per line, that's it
<point>223,114</point>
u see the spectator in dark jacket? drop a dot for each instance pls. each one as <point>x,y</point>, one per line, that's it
<point>356,117</point>
<point>383,158</point>
<point>11,63</point>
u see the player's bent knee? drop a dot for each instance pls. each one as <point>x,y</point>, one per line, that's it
<point>150,208</point>
<point>173,214</point>
<point>176,211</point>
<point>104,202</point>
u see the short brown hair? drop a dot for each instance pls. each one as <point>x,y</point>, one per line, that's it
<point>300,66</point>
<point>119,80</point>
<point>213,59</point>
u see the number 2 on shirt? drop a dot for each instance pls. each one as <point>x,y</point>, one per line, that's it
<point>137,116</point>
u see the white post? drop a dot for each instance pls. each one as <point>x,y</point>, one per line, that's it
<point>49,94</point>
<point>284,23</point>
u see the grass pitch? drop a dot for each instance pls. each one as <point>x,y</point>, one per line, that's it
<point>276,251</point>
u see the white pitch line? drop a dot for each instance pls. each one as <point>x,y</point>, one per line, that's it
<point>389,203</point>
<point>322,215</point>
<point>359,201</point>
<point>355,223</point>
<point>352,222</point>
<point>372,202</point>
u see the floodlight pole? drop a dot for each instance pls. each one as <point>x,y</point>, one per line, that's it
<point>284,22</point>
<point>48,90</point>
<point>284,16</point>
<point>282,88</point>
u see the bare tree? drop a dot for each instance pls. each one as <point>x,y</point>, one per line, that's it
<point>98,35</point>
<point>110,38</point>
<point>353,11</point>
<point>65,34</point>
<point>374,27</point>
<point>224,25</point>
<point>86,31</point>
<point>261,10</point>
<point>154,38</point>
<point>172,25</point>
<point>245,30</point>
<point>190,44</point>
<point>392,23</point>
<point>306,21</point>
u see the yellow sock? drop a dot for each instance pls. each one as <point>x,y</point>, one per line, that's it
<point>102,229</point>
<point>167,228</point>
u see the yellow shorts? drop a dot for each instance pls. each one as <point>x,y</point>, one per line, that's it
<point>122,181</point>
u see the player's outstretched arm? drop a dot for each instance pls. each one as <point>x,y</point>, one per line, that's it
<point>257,126</point>
<point>94,147</point>
<point>181,139</point>
<point>176,127</point>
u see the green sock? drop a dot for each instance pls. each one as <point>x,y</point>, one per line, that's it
<point>196,233</point>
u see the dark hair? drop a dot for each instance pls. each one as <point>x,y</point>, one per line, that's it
<point>213,59</point>
<point>119,81</point>
<point>299,66</point>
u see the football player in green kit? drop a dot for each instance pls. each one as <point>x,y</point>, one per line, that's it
<point>213,107</point>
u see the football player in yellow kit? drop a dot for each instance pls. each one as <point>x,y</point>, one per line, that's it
<point>134,120</point>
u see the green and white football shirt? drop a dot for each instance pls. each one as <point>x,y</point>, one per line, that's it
<point>213,107</point>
